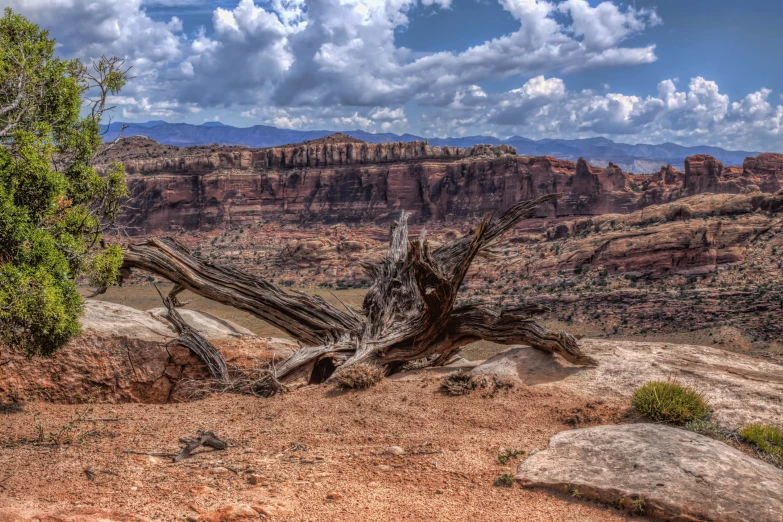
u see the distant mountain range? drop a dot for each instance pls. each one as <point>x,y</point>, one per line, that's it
<point>638,158</point>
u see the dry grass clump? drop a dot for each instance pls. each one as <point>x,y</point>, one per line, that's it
<point>358,377</point>
<point>458,383</point>
<point>257,381</point>
<point>670,401</point>
<point>768,439</point>
<point>463,383</point>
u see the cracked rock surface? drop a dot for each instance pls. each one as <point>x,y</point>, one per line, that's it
<point>659,471</point>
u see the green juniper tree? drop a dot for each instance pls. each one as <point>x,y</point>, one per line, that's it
<point>54,207</point>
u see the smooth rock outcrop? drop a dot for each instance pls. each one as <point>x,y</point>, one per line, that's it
<point>661,472</point>
<point>122,356</point>
<point>741,389</point>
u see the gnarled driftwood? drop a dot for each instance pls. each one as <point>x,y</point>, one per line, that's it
<point>409,312</point>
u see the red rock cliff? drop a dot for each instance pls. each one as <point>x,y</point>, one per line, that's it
<point>203,188</point>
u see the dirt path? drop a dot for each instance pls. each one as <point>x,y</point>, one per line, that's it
<point>321,455</point>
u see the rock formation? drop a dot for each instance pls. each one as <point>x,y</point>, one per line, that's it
<point>740,388</point>
<point>203,188</point>
<point>122,356</point>
<point>661,472</point>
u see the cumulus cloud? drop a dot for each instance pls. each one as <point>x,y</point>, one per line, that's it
<point>294,53</point>
<point>88,29</point>
<point>543,107</point>
<point>323,64</point>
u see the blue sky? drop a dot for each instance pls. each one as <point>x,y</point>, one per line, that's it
<point>688,71</point>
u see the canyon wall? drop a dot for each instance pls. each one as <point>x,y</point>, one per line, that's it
<point>203,188</point>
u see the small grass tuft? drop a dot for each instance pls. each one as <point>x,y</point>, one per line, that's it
<point>708,428</point>
<point>768,439</point>
<point>359,376</point>
<point>670,401</point>
<point>509,454</point>
<point>506,480</point>
<point>637,506</point>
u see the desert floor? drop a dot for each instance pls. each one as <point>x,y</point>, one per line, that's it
<point>321,453</point>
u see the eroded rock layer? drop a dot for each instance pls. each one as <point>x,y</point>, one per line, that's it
<point>122,355</point>
<point>203,188</point>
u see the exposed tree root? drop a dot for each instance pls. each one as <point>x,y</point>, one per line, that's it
<point>204,438</point>
<point>197,343</point>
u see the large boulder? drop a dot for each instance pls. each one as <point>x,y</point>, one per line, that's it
<point>122,356</point>
<point>740,388</point>
<point>661,472</point>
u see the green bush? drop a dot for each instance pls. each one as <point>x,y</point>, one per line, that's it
<point>670,401</point>
<point>509,454</point>
<point>769,439</point>
<point>54,206</point>
<point>506,480</point>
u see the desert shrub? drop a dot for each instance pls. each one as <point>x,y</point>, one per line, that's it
<point>708,428</point>
<point>768,439</point>
<point>358,377</point>
<point>54,206</point>
<point>506,480</point>
<point>670,401</point>
<point>509,454</point>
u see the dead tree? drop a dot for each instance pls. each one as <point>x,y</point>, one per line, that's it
<point>409,312</point>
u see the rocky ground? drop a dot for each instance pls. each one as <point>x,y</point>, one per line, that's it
<point>402,449</point>
<point>314,455</point>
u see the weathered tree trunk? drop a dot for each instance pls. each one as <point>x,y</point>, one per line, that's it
<point>408,314</point>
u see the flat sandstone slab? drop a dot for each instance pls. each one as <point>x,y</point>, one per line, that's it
<point>664,472</point>
<point>740,388</point>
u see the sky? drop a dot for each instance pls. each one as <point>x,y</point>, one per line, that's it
<point>647,71</point>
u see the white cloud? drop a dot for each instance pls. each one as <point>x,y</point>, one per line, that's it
<point>335,64</point>
<point>293,53</point>
<point>545,108</point>
<point>606,25</point>
<point>89,28</point>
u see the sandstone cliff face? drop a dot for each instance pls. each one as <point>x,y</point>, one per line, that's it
<point>768,168</point>
<point>202,189</point>
<point>688,237</point>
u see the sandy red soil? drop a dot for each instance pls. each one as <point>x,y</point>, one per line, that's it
<point>318,454</point>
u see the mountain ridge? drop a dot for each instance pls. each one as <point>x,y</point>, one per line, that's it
<point>599,151</point>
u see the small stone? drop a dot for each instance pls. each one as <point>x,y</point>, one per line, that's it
<point>256,479</point>
<point>269,510</point>
<point>438,491</point>
<point>220,472</point>
<point>394,450</point>
<point>201,490</point>
<point>334,496</point>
